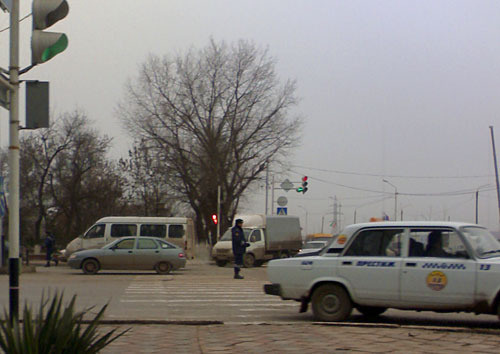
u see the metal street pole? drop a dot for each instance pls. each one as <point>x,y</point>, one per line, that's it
<point>305,230</point>
<point>496,169</point>
<point>14,164</point>
<point>267,187</point>
<point>218,212</point>
<point>395,199</point>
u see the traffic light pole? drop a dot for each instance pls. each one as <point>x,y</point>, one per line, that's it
<point>14,164</point>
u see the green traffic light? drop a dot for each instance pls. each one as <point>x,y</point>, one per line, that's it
<point>300,189</point>
<point>59,46</point>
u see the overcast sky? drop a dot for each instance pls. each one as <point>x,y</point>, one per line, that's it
<point>401,90</point>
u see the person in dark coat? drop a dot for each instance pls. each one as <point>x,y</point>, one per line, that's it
<point>239,247</point>
<point>50,243</point>
<point>435,246</point>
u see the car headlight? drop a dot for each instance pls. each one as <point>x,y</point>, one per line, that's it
<point>73,256</point>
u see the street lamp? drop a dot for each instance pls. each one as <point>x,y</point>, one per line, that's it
<point>395,198</point>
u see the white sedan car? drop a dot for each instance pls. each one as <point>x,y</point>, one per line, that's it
<point>435,266</point>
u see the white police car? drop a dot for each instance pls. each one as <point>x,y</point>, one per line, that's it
<point>436,266</point>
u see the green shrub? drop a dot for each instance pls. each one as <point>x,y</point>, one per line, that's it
<point>55,331</point>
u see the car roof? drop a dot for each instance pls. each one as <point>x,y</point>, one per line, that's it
<point>453,224</point>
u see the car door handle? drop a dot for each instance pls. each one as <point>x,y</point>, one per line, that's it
<point>157,251</point>
<point>411,264</point>
<point>129,251</point>
<point>347,263</point>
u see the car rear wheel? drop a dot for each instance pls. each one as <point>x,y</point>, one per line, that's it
<point>163,268</point>
<point>248,260</point>
<point>371,311</point>
<point>90,266</point>
<point>331,303</point>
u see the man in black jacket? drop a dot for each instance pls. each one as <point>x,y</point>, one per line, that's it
<point>239,246</point>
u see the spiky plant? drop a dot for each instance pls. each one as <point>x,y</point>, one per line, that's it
<point>56,331</point>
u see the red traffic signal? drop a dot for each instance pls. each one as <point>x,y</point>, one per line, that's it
<point>304,179</point>
<point>214,218</point>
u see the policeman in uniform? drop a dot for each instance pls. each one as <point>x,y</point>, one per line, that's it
<point>239,246</point>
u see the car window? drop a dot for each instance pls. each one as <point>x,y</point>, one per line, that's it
<point>255,236</point>
<point>126,244</point>
<point>96,231</point>
<point>376,242</point>
<point>122,230</point>
<point>146,244</point>
<point>432,242</point>
<point>153,230</point>
<point>164,244</point>
<point>175,231</point>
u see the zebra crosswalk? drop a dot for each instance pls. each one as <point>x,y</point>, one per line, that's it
<point>202,300</point>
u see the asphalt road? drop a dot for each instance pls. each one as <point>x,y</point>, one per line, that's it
<point>200,292</point>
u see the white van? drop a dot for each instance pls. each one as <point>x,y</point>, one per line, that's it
<point>178,230</point>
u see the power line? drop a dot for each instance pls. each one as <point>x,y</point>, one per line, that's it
<point>438,194</point>
<point>24,18</point>
<point>390,176</point>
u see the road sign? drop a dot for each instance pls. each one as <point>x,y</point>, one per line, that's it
<point>282,201</point>
<point>282,211</point>
<point>286,185</point>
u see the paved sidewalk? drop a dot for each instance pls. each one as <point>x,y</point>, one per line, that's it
<point>297,338</point>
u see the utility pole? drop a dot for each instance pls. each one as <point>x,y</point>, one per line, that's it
<point>335,226</point>
<point>272,195</point>
<point>218,212</point>
<point>14,164</point>
<point>496,169</point>
<point>267,187</point>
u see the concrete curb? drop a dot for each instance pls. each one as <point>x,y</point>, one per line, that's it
<point>24,269</point>
<point>488,331</point>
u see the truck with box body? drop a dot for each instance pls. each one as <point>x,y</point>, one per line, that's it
<point>269,237</point>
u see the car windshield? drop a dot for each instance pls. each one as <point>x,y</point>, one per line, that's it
<point>482,241</point>
<point>228,237</point>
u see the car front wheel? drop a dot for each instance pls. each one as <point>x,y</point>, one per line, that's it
<point>331,303</point>
<point>163,268</point>
<point>90,266</point>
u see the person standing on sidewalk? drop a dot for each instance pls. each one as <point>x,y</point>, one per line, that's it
<point>239,247</point>
<point>50,242</point>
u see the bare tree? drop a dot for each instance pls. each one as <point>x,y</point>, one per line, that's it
<point>39,151</point>
<point>219,116</point>
<point>84,185</point>
<point>146,181</point>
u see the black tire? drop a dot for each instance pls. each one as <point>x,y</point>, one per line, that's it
<point>248,260</point>
<point>331,303</point>
<point>163,267</point>
<point>220,262</point>
<point>371,311</point>
<point>90,266</point>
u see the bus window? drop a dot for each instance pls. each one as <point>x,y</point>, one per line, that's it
<point>154,230</point>
<point>121,230</point>
<point>175,231</point>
